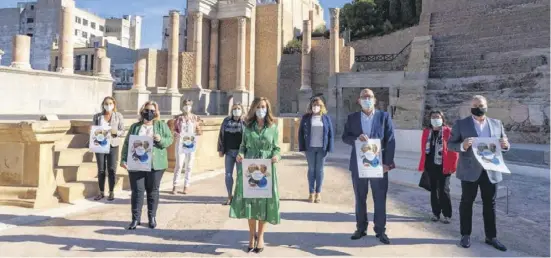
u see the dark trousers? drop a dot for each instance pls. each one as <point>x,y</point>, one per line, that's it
<point>107,162</point>
<point>488,194</point>
<point>440,193</point>
<point>379,186</point>
<point>149,182</point>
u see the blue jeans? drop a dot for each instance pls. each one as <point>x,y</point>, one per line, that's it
<point>229,161</point>
<point>316,160</point>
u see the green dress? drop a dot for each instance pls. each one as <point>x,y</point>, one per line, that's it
<point>257,144</point>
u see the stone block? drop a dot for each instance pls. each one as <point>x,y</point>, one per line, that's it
<point>304,97</point>
<point>169,103</point>
<point>130,101</point>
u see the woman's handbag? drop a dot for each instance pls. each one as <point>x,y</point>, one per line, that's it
<point>424,182</point>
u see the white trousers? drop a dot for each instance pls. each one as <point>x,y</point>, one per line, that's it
<point>183,161</point>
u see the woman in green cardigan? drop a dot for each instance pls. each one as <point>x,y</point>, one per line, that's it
<point>260,141</point>
<point>148,181</point>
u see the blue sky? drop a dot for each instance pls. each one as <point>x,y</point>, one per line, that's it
<point>151,10</point>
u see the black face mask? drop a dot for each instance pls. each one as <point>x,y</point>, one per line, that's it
<point>479,111</point>
<point>148,115</point>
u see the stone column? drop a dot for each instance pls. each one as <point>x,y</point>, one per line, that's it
<point>213,67</point>
<point>21,52</point>
<point>66,39</point>
<point>334,48</point>
<point>241,53</point>
<point>306,68</point>
<point>198,47</point>
<point>98,54</point>
<point>104,67</point>
<point>139,74</point>
<point>311,18</point>
<point>173,50</point>
<point>130,101</point>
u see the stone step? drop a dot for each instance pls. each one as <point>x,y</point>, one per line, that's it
<point>17,192</point>
<point>517,62</point>
<point>526,16</point>
<point>488,83</point>
<point>459,72</point>
<point>16,202</point>
<point>489,32</point>
<point>443,39</point>
<point>504,39</point>
<point>74,191</point>
<point>493,15</point>
<point>72,141</point>
<point>485,45</point>
<point>469,8</point>
<point>84,171</point>
<point>73,157</point>
<point>449,52</point>
<point>473,28</point>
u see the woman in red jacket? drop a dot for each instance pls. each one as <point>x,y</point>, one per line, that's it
<point>439,163</point>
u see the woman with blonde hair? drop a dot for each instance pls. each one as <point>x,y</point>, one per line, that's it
<point>229,139</point>
<point>149,125</point>
<point>109,118</point>
<point>316,139</point>
<point>260,141</point>
<point>187,123</point>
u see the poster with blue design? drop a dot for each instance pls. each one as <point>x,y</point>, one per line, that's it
<point>369,158</point>
<point>257,178</point>
<point>488,153</point>
<point>100,139</point>
<point>188,142</point>
<point>140,152</point>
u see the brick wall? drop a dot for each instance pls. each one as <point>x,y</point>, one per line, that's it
<point>186,69</point>
<point>289,82</point>
<point>162,67</point>
<point>268,54</point>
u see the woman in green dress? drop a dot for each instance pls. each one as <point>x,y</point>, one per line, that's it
<point>260,141</point>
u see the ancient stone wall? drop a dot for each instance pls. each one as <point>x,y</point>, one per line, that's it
<point>289,83</point>
<point>227,61</point>
<point>161,68</point>
<point>320,65</point>
<point>387,44</point>
<point>185,71</point>
<point>268,54</point>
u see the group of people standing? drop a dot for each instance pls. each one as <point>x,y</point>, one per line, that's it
<point>254,135</point>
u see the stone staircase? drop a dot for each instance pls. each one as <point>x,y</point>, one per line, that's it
<point>497,48</point>
<point>76,169</point>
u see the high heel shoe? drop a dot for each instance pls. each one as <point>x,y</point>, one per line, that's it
<point>257,249</point>
<point>152,222</point>
<point>250,249</point>
<point>133,225</point>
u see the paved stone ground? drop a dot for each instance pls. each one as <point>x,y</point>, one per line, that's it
<point>198,225</point>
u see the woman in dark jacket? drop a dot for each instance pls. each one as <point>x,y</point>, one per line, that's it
<point>439,163</point>
<point>316,139</point>
<point>229,139</point>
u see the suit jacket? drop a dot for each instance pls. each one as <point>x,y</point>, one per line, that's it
<point>468,167</point>
<point>304,133</point>
<point>382,128</point>
<point>117,121</point>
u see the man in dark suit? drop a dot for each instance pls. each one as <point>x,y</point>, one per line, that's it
<point>473,175</point>
<point>375,124</point>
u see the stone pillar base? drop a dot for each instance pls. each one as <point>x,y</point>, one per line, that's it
<point>169,103</point>
<point>20,65</point>
<point>200,98</point>
<point>304,97</point>
<point>243,97</point>
<point>130,101</point>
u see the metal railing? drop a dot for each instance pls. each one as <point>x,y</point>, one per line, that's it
<point>380,57</point>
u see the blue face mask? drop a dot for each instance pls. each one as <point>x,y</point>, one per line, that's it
<point>261,113</point>
<point>366,103</point>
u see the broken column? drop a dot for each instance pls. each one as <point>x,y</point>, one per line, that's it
<point>21,52</point>
<point>66,39</point>
<point>130,101</point>
<point>306,83</point>
<point>213,66</point>
<point>240,93</point>
<point>334,48</point>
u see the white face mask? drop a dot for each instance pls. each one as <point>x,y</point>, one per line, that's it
<point>369,155</point>
<point>236,112</point>
<point>436,122</point>
<point>108,108</point>
<point>257,175</point>
<point>140,151</point>
<point>186,109</point>
<point>100,137</point>
<point>316,109</point>
<point>261,113</point>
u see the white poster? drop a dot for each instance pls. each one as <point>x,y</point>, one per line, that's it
<point>188,142</point>
<point>369,158</point>
<point>140,153</point>
<point>100,139</point>
<point>257,178</point>
<point>488,153</point>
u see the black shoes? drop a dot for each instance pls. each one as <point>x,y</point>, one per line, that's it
<point>255,242</point>
<point>465,241</point>
<point>357,235</point>
<point>496,244</point>
<point>133,225</point>
<point>383,238</point>
<point>111,197</point>
<point>152,222</point>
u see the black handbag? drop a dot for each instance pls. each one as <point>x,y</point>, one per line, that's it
<point>424,182</point>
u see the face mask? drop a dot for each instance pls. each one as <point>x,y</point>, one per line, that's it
<point>186,109</point>
<point>100,137</point>
<point>257,175</point>
<point>261,113</point>
<point>236,112</point>
<point>366,103</point>
<point>140,151</point>
<point>316,109</point>
<point>108,108</point>
<point>488,154</point>
<point>148,115</point>
<point>479,111</point>
<point>369,155</point>
<point>436,122</point>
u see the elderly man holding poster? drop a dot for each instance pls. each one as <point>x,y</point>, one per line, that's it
<point>472,173</point>
<point>371,133</point>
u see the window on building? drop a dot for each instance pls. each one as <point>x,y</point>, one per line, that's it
<point>85,34</point>
<point>92,62</point>
<point>30,35</point>
<point>85,63</point>
<point>77,63</point>
<point>30,20</point>
<point>101,28</point>
<point>92,36</point>
<point>84,22</point>
<point>32,7</point>
<point>93,25</point>
<point>56,63</point>
<point>76,32</point>
<point>78,20</point>
<point>96,44</point>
